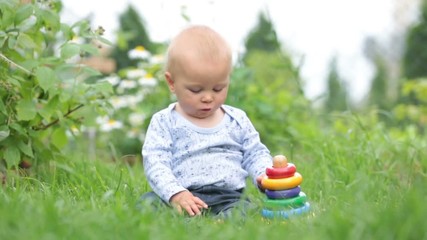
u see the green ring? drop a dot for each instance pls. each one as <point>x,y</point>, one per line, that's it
<point>297,201</point>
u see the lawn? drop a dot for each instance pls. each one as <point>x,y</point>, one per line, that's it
<point>361,185</point>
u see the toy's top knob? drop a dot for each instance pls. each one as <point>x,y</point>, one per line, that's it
<point>280,161</point>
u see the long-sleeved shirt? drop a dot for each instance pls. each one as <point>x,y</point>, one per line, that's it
<point>178,155</point>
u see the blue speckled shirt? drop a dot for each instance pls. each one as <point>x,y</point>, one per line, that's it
<point>178,155</point>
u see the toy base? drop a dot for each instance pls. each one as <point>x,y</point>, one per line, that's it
<point>286,213</point>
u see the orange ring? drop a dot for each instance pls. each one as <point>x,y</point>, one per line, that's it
<point>283,183</point>
<point>285,172</point>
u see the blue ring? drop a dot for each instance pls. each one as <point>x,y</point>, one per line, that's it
<point>286,213</point>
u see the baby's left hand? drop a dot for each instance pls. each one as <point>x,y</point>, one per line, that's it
<point>258,181</point>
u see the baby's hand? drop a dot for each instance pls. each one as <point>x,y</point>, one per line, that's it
<point>258,181</point>
<point>185,200</point>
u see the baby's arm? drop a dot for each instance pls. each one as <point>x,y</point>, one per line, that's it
<point>256,156</point>
<point>157,161</point>
<point>185,200</point>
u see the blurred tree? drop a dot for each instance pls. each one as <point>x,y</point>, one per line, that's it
<point>336,99</point>
<point>132,33</point>
<point>268,89</point>
<point>415,55</point>
<point>380,85</point>
<point>378,93</point>
<point>262,37</point>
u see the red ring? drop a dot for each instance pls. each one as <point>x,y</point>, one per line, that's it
<point>276,173</point>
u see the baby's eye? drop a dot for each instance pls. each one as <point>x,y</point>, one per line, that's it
<point>218,89</point>
<point>195,90</point>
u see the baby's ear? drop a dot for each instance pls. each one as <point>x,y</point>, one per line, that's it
<point>169,81</point>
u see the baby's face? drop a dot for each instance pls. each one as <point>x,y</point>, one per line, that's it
<point>201,86</point>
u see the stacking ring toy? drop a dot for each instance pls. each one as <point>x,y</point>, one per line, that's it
<point>286,202</point>
<point>283,183</point>
<point>279,194</point>
<point>286,213</point>
<point>283,172</point>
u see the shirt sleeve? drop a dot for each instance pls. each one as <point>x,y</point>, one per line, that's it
<point>256,156</point>
<point>157,158</point>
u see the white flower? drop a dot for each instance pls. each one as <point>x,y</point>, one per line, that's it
<point>136,119</point>
<point>127,84</point>
<point>139,53</point>
<point>118,102</point>
<point>157,59</point>
<point>132,133</point>
<point>135,73</point>
<point>136,133</point>
<point>147,81</point>
<point>77,39</point>
<point>113,80</point>
<point>106,124</point>
<point>133,100</point>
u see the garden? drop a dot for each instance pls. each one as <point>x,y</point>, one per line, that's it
<point>71,136</point>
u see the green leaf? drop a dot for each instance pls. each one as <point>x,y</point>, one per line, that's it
<point>90,49</point>
<point>24,12</point>
<point>69,50</point>
<point>67,31</point>
<point>105,41</point>
<point>14,81</point>
<point>12,155</point>
<point>18,128</point>
<point>46,77</point>
<point>2,40</point>
<point>26,89</point>
<point>59,138</point>
<point>25,41</point>
<point>26,110</point>
<point>104,87</point>
<point>8,16</point>
<point>4,132</point>
<point>49,109</point>
<point>65,96</point>
<point>2,107</point>
<point>11,43</point>
<point>26,149</point>
<point>27,24</point>
<point>91,72</point>
<point>51,19</point>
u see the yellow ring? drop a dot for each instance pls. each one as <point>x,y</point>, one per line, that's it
<point>281,183</point>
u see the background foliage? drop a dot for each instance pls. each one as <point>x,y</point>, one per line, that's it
<point>42,87</point>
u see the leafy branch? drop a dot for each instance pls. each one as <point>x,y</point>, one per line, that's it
<point>70,111</point>
<point>10,62</point>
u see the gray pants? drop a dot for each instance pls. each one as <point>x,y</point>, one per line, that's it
<point>220,200</point>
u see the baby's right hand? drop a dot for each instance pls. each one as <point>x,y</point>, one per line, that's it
<point>185,200</point>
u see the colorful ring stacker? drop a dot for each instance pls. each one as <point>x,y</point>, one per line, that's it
<point>286,202</point>
<point>283,172</point>
<point>283,183</point>
<point>286,213</point>
<point>279,194</point>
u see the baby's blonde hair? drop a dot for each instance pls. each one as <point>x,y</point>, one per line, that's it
<point>198,40</point>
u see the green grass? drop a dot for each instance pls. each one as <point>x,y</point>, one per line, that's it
<point>360,185</point>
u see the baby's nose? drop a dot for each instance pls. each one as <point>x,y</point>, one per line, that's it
<point>207,98</point>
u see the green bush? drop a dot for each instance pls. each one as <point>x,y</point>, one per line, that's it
<point>268,88</point>
<point>413,114</point>
<point>44,91</point>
